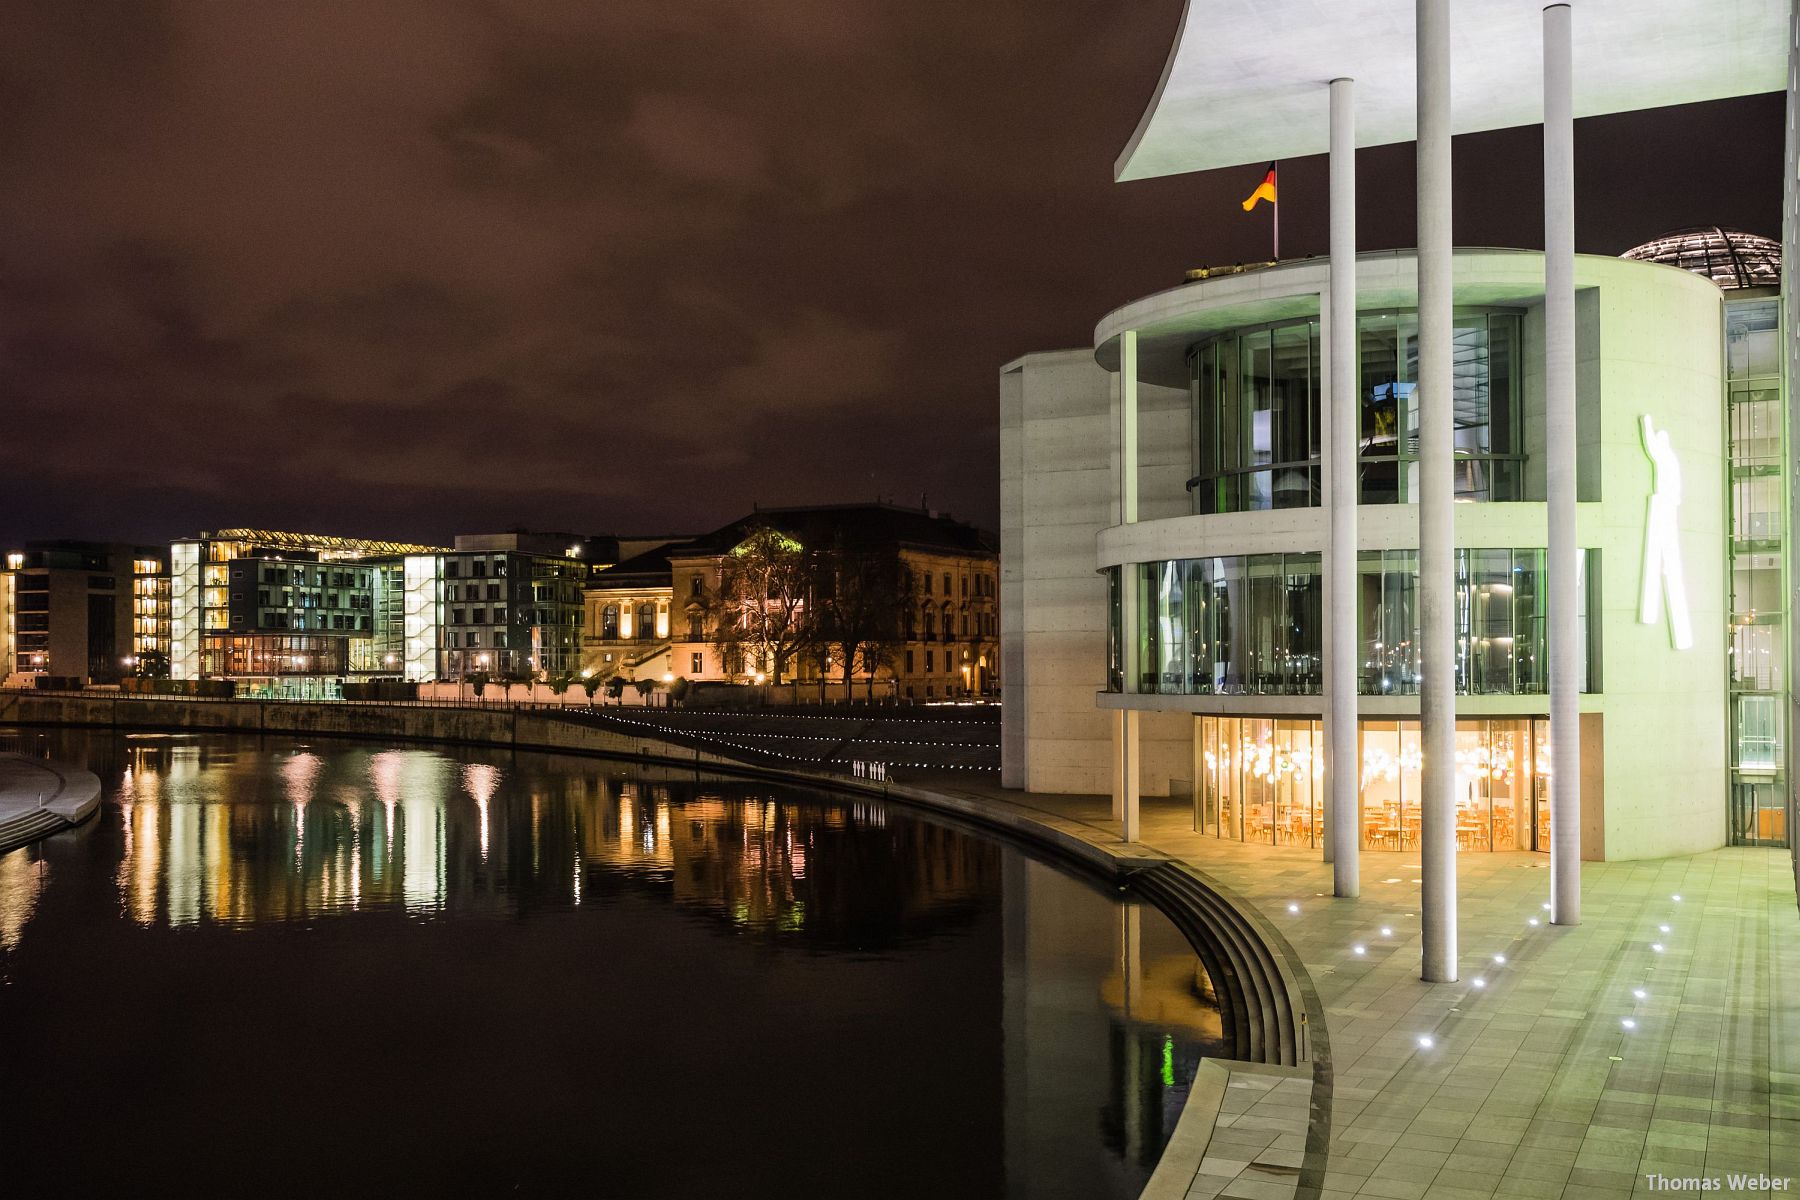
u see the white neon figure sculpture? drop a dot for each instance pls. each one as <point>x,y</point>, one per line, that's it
<point>1663,583</point>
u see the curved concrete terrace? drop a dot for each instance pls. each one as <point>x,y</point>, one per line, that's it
<point>39,798</point>
<point>1533,1084</point>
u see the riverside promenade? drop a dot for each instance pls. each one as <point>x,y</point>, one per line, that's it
<point>1661,1037</point>
<point>38,798</point>
<point>1542,1073</point>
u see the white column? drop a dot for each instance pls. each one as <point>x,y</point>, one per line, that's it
<point>1125,729</point>
<point>1126,769</point>
<point>1341,769</point>
<point>1790,293</point>
<point>1437,487</point>
<point>1559,435</point>
<point>1128,428</point>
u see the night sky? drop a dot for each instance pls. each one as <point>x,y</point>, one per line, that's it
<point>406,269</point>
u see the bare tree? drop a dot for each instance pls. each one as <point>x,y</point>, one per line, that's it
<point>861,598</point>
<point>763,611</point>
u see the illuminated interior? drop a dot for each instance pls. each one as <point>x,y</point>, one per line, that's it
<point>1262,780</point>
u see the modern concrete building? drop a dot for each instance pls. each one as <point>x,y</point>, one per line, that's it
<point>284,614</point>
<point>80,610</point>
<point>1398,550</point>
<point>504,605</point>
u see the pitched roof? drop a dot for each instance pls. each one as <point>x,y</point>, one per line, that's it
<point>858,526</point>
<point>649,569</point>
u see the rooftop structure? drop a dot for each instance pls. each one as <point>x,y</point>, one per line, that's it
<point>1245,80</point>
<point>1730,258</point>
<point>326,546</point>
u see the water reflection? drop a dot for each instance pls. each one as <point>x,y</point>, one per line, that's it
<point>416,830</point>
<point>22,881</point>
<point>553,928</point>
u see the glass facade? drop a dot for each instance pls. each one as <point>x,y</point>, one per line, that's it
<point>1755,433</point>
<point>1257,433</point>
<point>184,610</point>
<point>1252,625</point>
<point>1261,779</point>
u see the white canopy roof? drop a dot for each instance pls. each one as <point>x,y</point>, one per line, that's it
<point>1245,81</point>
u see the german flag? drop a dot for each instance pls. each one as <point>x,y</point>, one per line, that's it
<point>1264,190</point>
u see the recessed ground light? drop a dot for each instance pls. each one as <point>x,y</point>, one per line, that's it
<point>1359,949</point>
<point>1657,946</point>
<point>1478,981</point>
<point>1293,908</point>
<point>1640,993</point>
<point>1676,897</point>
<point>1533,921</point>
<point>1387,931</point>
<point>1664,928</point>
<point>1546,906</point>
<point>1425,1042</point>
<point>1415,879</point>
<point>1628,1023</point>
<point>1395,879</point>
<point>1500,958</point>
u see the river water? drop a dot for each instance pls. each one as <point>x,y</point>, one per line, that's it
<point>278,967</point>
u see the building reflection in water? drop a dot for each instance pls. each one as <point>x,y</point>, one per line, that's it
<point>22,880</point>
<point>1085,1016</point>
<point>1157,1019</point>
<point>234,832</point>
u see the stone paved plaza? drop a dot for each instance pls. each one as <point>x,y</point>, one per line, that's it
<point>1661,1036</point>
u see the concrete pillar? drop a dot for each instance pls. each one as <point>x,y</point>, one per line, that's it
<point>1559,437</point>
<point>1126,769</point>
<point>1128,428</point>
<point>1790,294</point>
<point>1126,766</point>
<point>1437,496</point>
<point>1341,769</point>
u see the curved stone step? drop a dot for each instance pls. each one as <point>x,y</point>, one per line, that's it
<point>29,827</point>
<point>1260,1007</point>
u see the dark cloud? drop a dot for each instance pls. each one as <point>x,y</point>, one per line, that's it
<point>417,266</point>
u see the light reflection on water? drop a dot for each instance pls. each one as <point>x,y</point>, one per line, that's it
<point>901,984</point>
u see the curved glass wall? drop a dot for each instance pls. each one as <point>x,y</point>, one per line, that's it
<point>1252,625</point>
<point>1257,430</point>
<point>1261,779</point>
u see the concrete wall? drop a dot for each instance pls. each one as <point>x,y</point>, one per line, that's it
<point>1057,488</point>
<point>1665,729</point>
<point>408,722</point>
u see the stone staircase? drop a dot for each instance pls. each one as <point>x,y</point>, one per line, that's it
<point>28,827</point>
<point>1261,1010</point>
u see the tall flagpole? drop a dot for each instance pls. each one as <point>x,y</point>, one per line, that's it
<point>1275,170</point>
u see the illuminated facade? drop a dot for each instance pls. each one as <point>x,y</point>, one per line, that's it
<point>285,614</point>
<point>84,611</point>
<point>150,609</point>
<point>1206,617</point>
<point>1747,269</point>
<point>502,613</point>
<point>657,614</point>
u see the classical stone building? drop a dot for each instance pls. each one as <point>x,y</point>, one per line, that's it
<point>657,614</point>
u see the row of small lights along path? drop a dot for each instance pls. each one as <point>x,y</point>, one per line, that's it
<point>1660,1037</point>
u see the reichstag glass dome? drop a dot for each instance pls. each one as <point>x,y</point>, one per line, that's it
<point>1730,258</point>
